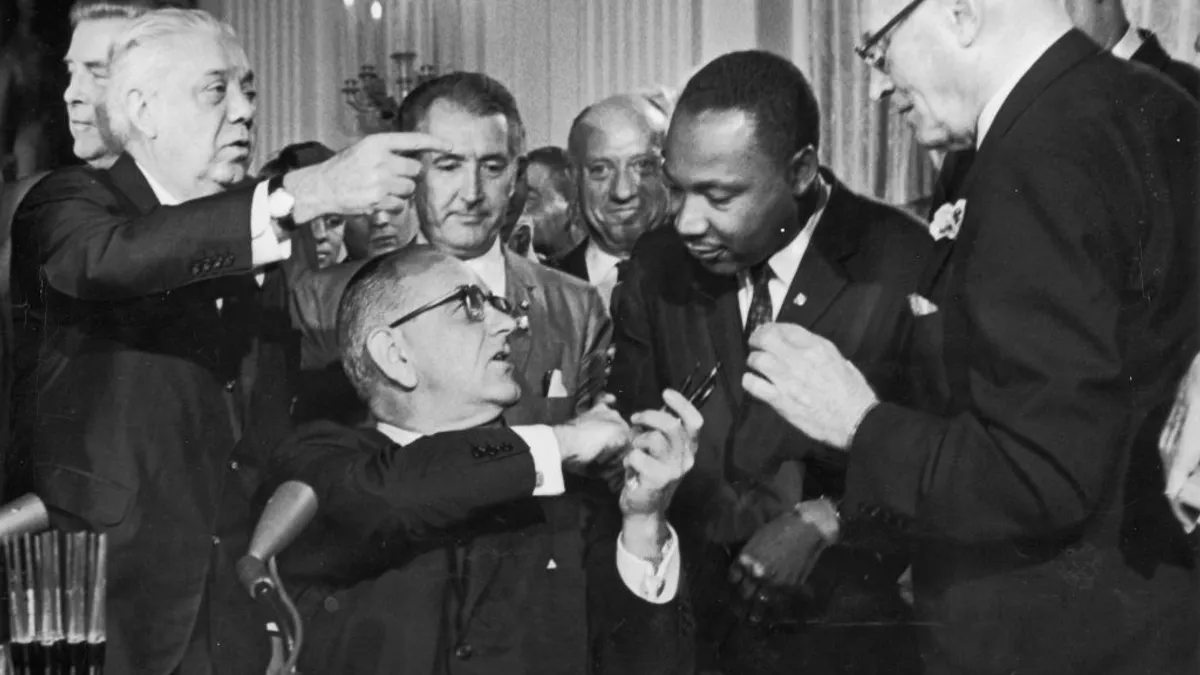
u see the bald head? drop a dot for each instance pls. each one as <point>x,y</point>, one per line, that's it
<point>623,111</point>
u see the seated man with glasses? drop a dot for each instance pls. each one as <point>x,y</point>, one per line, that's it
<point>429,540</point>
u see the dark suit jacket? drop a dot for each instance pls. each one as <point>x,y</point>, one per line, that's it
<point>957,165</point>
<point>574,262</point>
<point>427,559</point>
<point>671,315</point>
<point>142,411</point>
<point>1067,309</point>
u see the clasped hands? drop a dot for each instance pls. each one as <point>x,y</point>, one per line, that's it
<point>651,452</point>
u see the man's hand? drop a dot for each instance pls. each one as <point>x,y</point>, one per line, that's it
<point>378,173</point>
<point>593,436</point>
<point>663,451</point>
<point>805,379</point>
<point>775,563</point>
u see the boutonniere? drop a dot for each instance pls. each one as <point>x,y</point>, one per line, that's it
<point>522,316</point>
<point>948,220</point>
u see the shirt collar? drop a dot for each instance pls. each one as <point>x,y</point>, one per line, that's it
<point>988,115</point>
<point>599,262</point>
<point>160,193</point>
<point>786,261</point>
<point>398,435</point>
<point>492,268</point>
<point>1129,43</point>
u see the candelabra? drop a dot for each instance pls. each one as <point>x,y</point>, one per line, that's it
<point>369,97</point>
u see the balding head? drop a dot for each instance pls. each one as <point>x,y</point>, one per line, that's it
<point>615,148</point>
<point>943,60</point>
<point>420,352</point>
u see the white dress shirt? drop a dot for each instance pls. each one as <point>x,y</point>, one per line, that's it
<point>783,265</point>
<point>491,268</point>
<point>1129,43</point>
<point>265,247</point>
<point>602,270</point>
<point>988,115</point>
<point>656,584</point>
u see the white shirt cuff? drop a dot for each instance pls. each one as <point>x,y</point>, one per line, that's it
<point>547,460</point>
<point>652,584</point>
<point>265,246</point>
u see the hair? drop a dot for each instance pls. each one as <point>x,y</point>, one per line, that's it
<point>88,10</point>
<point>295,156</point>
<point>769,89</point>
<point>555,159</point>
<point>475,93</point>
<point>641,106</point>
<point>375,293</point>
<point>141,59</point>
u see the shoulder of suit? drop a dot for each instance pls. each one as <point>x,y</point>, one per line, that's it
<point>888,225</point>
<point>550,277</point>
<point>324,434</point>
<point>67,183</point>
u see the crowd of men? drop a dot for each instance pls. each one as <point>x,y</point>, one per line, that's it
<point>923,447</point>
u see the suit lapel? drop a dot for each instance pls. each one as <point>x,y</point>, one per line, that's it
<point>130,182</point>
<point>1151,52</point>
<point>520,288</point>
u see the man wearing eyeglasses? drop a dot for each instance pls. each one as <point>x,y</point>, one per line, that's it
<point>428,547</point>
<point>559,353</point>
<point>1066,298</point>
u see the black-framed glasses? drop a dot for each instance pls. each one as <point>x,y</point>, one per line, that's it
<point>474,299</point>
<point>873,50</point>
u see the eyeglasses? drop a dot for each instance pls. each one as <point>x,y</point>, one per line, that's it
<point>873,50</point>
<point>474,299</point>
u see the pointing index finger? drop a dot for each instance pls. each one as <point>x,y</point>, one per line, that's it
<point>405,142</point>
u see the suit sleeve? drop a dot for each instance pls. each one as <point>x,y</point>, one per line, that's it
<point>89,249</point>
<point>410,494</point>
<point>634,375</point>
<point>1052,401</point>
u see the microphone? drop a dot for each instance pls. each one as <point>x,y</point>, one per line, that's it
<point>26,514</point>
<point>287,513</point>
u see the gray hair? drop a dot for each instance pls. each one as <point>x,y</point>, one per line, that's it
<point>98,11</point>
<point>141,60</point>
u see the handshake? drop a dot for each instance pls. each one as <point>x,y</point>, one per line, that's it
<point>654,450</point>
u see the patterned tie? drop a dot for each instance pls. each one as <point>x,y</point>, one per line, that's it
<point>760,305</point>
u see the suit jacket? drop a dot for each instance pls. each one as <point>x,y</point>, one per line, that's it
<point>957,165</point>
<point>1067,314</point>
<point>426,559</point>
<point>323,392</point>
<point>142,411</point>
<point>671,314</point>
<point>574,262</point>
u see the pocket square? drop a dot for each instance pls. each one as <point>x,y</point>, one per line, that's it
<point>921,306</point>
<point>553,384</point>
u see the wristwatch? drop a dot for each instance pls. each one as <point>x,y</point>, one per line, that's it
<point>280,203</point>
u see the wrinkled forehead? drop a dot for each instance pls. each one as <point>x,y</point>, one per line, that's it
<point>92,40</point>
<point>618,132</point>
<point>874,14</point>
<point>199,55</point>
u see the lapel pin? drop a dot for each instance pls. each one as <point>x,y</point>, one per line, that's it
<point>523,316</point>
<point>800,299</point>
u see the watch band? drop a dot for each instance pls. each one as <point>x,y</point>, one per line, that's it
<point>287,222</point>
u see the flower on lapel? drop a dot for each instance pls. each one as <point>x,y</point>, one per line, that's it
<point>948,220</point>
<point>522,316</point>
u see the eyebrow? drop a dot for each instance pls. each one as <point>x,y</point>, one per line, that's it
<point>462,158</point>
<point>707,185</point>
<point>86,64</point>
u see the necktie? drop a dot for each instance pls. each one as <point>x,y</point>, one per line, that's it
<point>760,304</point>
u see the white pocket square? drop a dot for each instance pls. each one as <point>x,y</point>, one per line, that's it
<point>554,384</point>
<point>921,306</point>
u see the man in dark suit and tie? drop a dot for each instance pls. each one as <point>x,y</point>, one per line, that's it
<point>1107,24</point>
<point>428,546</point>
<point>763,233</point>
<point>155,351</point>
<point>1033,490</point>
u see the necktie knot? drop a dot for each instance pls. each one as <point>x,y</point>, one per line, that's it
<point>761,309</point>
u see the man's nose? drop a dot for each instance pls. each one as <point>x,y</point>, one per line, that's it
<point>319,231</point>
<point>689,222</point>
<point>241,107</point>
<point>471,190</point>
<point>624,187</point>
<point>880,86</point>
<point>74,91</point>
<point>501,323</point>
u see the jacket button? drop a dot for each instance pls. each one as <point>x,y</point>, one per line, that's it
<point>331,604</point>
<point>216,540</point>
<point>233,465</point>
<point>477,453</point>
<point>463,651</point>
<point>230,385</point>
